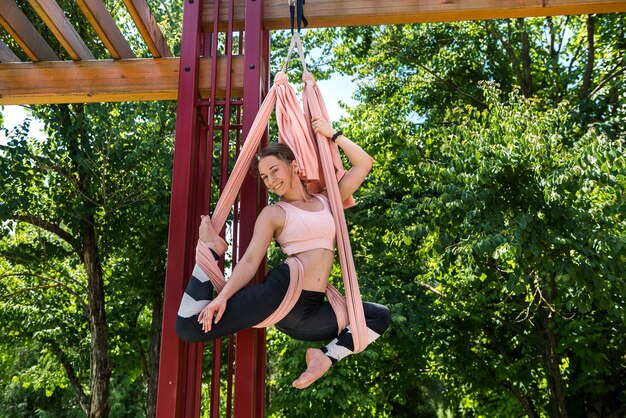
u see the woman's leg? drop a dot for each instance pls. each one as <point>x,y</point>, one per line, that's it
<point>315,323</point>
<point>246,308</point>
<point>377,319</point>
<point>314,320</point>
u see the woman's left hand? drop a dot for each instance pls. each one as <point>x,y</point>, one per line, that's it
<point>322,126</point>
<point>212,313</point>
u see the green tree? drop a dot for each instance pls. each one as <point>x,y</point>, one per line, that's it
<point>528,250</point>
<point>85,231</point>
<point>85,223</point>
<point>432,67</point>
<point>495,352</point>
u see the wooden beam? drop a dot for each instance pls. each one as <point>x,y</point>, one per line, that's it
<point>108,81</point>
<point>6,55</point>
<point>24,33</point>
<point>52,15</point>
<point>106,28</point>
<point>327,13</point>
<point>152,35</point>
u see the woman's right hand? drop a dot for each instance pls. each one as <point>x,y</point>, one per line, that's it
<point>212,313</point>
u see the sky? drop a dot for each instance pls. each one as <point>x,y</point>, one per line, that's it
<point>15,115</point>
<point>338,88</point>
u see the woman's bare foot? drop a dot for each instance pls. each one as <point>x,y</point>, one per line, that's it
<point>317,364</point>
<point>209,236</point>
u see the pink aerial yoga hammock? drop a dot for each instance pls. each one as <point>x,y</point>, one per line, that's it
<point>295,130</point>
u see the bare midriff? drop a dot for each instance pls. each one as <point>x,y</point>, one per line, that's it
<point>317,264</point>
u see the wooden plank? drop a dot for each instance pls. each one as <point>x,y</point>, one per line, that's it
<point>152,35</point>
<point>106,28</point>
<point>6,55</point>
<point>24,33</point>
<point>108,80</point>
<point>329,13</point>
<point>52,15</point>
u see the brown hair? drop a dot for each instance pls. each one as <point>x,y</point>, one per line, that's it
<point>280,151</point>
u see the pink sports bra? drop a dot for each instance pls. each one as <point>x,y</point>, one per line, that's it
<point>305,230</point>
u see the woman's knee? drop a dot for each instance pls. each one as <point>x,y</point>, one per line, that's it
<point>186,329</point>
<point>377,317</point>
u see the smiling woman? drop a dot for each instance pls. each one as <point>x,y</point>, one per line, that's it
<point>302,223</point>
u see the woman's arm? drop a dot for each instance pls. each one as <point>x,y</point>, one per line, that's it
<point>361,162</point>
<point>246,267</point>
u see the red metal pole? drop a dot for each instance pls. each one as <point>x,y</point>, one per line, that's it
<point>180,363</point>
<point>261,354</point>
<point>249,371</point>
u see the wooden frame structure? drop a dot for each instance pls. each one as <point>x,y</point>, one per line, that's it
<point>43,79</point>
<point>206,84</point>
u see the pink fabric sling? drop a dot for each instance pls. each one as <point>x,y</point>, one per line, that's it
<point>295,130</point>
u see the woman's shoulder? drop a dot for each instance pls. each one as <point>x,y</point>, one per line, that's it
<point>272,210</point>
<point>271,216</point>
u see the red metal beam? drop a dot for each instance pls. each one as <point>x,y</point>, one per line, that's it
<point>181,364</point>
<point>250,355</point>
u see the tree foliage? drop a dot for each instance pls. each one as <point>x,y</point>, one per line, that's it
<point>526,246</point>
<point>492,224</point>
<point>99,182</point>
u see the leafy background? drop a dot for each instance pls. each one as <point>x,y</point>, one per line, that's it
<point>492,226</point>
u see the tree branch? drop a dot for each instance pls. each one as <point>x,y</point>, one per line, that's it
<point>440,79</point>
<point>83,399</point>
<point>46,164</point>
<point>509,49</point>
<point>56,282</point>
<point>451,84</point>
<point>614,72</point>
<point>28,289</point>
<point>432,289</point>
<point>50,227</point>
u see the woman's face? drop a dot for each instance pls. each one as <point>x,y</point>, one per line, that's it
<point>277,175</point>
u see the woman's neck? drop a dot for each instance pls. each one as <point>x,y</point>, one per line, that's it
<point>298,195</point>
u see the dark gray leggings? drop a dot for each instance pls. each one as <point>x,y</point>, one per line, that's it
<point>311,319</point>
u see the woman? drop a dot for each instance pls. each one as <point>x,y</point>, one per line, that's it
<point>303,226</point>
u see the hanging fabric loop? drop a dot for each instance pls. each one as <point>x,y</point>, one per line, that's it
<point>295,42</point>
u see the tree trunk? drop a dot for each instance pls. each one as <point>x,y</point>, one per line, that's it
<point>552,362</point>
<point>526,81</point>
<point>99,357</point>
<point>587,77</point>
<point>520,65</point>
<point>100,366</point>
